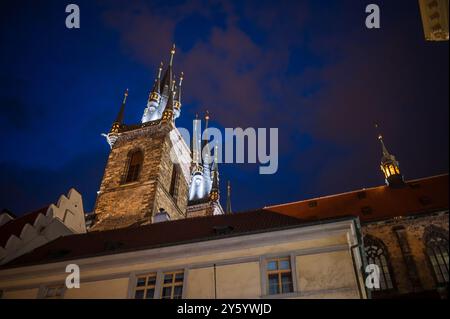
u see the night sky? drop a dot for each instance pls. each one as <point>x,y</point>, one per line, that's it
<point>310,68</point>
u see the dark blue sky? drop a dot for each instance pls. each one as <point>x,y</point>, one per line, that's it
<point>310,68</point>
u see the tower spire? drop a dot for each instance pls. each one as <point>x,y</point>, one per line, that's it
<point>196,145</point>
<point>178,94</point>
<point>228,208</point>
<point>172,53</point>
<point>205,146</point>
<point>214,195</point>
<point>383,147</point>
<point>167,115</point>
<point>155,94</point>
<point>168,75</point>
<point>390,166</point>
<point>119,119</point>
<point>177,98</point>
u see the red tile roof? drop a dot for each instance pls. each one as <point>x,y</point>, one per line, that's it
<point>15,226</point>
<point>377,203</point>
<point>155,235</point>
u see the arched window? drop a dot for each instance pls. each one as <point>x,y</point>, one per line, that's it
<point>134,166</point>
<point>376,253</point>
<point>436,246</point>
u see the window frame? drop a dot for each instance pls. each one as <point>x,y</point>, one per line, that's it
<point>146,285</point>
<point>136,171</point>
<point>172,284</point>
<point>134,276</point>
<point>175,182</point>
<point>264,272</point>
<point>433,233</point>
<point>46,288</point>
<point>372,241</point>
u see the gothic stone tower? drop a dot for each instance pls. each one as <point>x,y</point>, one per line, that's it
<point>148,168</point>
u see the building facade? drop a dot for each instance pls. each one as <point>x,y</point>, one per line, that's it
<point>248,255</point>
<point>158,229</point>
<point>405,227</point>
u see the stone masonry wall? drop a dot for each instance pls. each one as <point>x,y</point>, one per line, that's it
<point>122,204</point>
<point>413,230</point>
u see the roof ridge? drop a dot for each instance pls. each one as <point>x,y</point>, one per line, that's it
<point>352,192</point>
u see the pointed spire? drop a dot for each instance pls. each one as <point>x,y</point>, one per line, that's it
<point>205,144</point>
<point>156,90</point>
<point>390,166</point>
<point>168,75</point>
<point>172,53</point>
<point>214,196</point>
<point>206,119</point>
<point>196,145</point>
<point>178,92</point>
<point>383,147</point>
<point>119,119</point>
<point>228,208</point>
<point>167,115</point>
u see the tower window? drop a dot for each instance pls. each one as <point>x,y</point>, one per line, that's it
<point>173,191</point>
<point>134,167</point>
<point>376,253</point>
<point>392,170</point>
<point>279,275</point>
<point>436,244</point>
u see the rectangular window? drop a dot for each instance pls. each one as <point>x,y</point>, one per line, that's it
<point>145,286</point>
<point>172,286</point>
<point>54,292</point>
<point>279,276</point>
<point>174,183</point>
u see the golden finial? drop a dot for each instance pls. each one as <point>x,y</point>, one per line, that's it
<point>160,70</point>
<point>181,78</point>
<point>172,52</point>
<point>380,137</point>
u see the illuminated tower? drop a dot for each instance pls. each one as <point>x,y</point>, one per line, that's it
<point>148,168</point>
<point>390,167</point>
<point>159,95</point>
<point>204,185</point>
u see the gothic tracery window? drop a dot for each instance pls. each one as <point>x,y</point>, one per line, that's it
<point>134,166</point>
<point>376,253</point>
<point>436,246</point>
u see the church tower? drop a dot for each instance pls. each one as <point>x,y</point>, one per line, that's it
<point>148,168</point>
<point>390,167</point>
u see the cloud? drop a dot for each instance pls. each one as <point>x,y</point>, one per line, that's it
<point>228,73</point>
